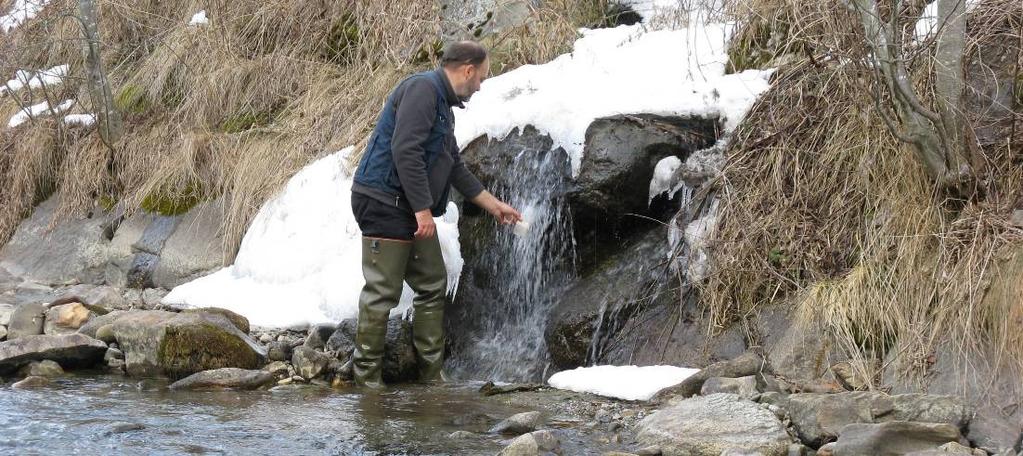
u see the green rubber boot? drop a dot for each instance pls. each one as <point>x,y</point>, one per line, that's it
<point>383,266</point>
<point>427,276</point>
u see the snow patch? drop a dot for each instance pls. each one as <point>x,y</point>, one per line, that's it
<point>38,110</point>
<point>300,262</point>
<point>24,78</point>
<point>630,383</point>
<point>927,24</point>
<point>85,120</point>
<point>22,11</point>
<point>624,70</point>
<point>199,19</point>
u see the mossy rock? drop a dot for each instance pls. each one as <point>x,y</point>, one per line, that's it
<point>131,99</point>
<point>171,204</point>
<point>343,40</point>
<point>187,349</point>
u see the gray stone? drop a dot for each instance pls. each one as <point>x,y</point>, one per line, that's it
<point>532,444</point>
<point>112,354</point>
<point>278,369</point>
<point>519,423</point>
<point>622,151</point>
<point>279,351</point>
<point>27,320</point>
<point>318,335</point>
<point>475,19</point>
<point>818,418</point>
<point>69,350</point>
<point>177,345</point>
<point>709,425</point>
<point>991,430</point>
<point>6,311</point>
<point>102,296</point>
<point>342,341</point>
<point>121,428</point>
<point>461,435</point>
<point>797,449</point>
<point>196,248</point>
<point>236,319</point>
<point>72,251</point>
<point>745,387</point>
<point>31,382</point>
<point>44,368</point>
<point>3,333</point>
<point>309,363</point>
<point>749,363</point>
<point>225,378</point>
<point>853,378</point>
<point>66,318</point>
<point>91,328</point>
<point>399,354</point>
<point>151,297</point>
<point>652,450</point>
<point>893,438</point>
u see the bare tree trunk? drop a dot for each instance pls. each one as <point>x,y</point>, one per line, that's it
<point>99,89</point>
<point>949,84</point>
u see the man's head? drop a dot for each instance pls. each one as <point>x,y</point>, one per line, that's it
<point>467,65</point>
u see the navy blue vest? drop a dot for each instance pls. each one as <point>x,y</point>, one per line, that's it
<point>377,170</point>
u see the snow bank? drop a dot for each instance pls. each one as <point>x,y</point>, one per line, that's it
<point>631,383</point>
<point>623,70</point>
<point>199,19</point>
<point>300,262</point>
<point>85,120</point>
<point>23,78</point>
<point>38,110</point>
<point>22,11</point>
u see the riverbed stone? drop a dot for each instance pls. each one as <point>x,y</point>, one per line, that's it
<point>176,345</point>
<point>747,364</point>
<point>745,387</point>
<point>6,311</point>
<point>113,353</point>
<point>278,369</point>
<point>342,341</point>
<point>66,318</point>
<point>26,320</point>
<point>31,382</point>
<point>318,335</point>
<point>709,425</point>
<point>225,378</point>
<point>44,368</point>
<point>239,321</point>
<point>519,423</point>
<point>91,328</point>
<point>893,438</point>
<point>399,354</point>
<point>69,350</point>
<point>3,333</point>
<point>309,363</point>
<point>819,418</point>
<point>532,444</point>
<point>103,296</point>
<point>279,351</point>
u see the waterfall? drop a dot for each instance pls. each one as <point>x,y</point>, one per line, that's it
<point>526,273</point>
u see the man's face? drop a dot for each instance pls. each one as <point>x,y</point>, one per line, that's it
<point>474,76</point>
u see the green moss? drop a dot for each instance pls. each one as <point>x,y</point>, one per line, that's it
<point>173,204</point>
<point>193,347</point>
<point>131,99</point>
<point>246,121</point>
<point>107,202</point>
<point>343,40</point>
<point>777,257</point>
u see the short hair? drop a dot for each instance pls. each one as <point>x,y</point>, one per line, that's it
<point>463,53</point>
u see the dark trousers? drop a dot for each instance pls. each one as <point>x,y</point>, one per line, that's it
<point>380,220</point>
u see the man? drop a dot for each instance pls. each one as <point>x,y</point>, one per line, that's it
<point>402,183</point>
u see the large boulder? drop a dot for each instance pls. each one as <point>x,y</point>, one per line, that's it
<point>819,418</point>
<point>180,344</point>
<point>710,425</point>
<point>68,350</point>
<point>893,438</point>
<point>226,378</point>
<point>72,250</point>
<point>93,296</point>
<point>474,19</point>
<point>26,320</point>
<point>748,364</point>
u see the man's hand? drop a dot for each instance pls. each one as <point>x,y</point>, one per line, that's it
<point>427,227</point>
<point>504,213</point>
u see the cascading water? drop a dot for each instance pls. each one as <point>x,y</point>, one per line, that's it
<point>526,273</point>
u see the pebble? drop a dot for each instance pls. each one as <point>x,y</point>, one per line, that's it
<point>31,382</point>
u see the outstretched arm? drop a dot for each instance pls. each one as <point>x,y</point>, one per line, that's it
<point>504,213</point>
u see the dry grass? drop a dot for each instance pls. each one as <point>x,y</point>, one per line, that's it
<point>824,209</point>
<point>229,110</point>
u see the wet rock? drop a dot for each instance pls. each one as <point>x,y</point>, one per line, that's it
<point>490,389</point>
<point>225,378</point>
<point>621,153</point>
<point>177,345</point>
<point>112,354</point>
<point>532,444</point>
<point>121,428</point>
<point>279,351</point>
<point>44,368</point>
<point>893,438</point>
<point>745,387</point>
<point>318,335</point>
<point>31,382</point>
<point>399,353</point>
<point>91,327</point>
<point>66,318</point>
<point>818,418</point>
<point>461,435</point>
<point>237,320</point>
<point>69,350</point>
<point>93,296</point>
<point>309,363</point>
<point>708,425</point>
<point>26,320</point>
<point>70,251</point>
<point>749,363</point>
<point>278,369</point>
<point>519,423</point>
<point>342,341</point>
